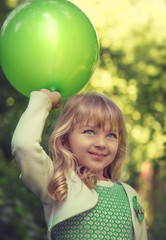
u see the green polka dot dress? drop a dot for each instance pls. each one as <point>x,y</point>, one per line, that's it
<point>109,219</point>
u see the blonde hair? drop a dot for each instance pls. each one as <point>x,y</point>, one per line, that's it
<point>86,108</point>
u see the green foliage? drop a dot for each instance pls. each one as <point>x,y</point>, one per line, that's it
<point>132,72</point>
<point>18,221</point>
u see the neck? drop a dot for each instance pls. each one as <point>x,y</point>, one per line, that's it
<point>100,176</point>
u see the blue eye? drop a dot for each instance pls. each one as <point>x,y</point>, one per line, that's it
<point>89,132</point>
<point>112,135</point>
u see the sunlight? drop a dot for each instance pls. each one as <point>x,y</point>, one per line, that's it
<point>12,3</point>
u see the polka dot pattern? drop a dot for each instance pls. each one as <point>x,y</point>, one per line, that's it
<point>109,219</point>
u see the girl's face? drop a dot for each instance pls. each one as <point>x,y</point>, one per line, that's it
<point>93,147</point>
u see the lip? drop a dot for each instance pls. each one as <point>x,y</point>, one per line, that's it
<point>97,155</point>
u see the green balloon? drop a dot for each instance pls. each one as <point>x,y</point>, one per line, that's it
<point>48,44</point>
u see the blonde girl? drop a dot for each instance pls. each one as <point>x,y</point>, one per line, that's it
<point>80,183</point>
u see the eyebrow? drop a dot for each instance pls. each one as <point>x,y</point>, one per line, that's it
<point>95,126</point>
<point>87,126</point>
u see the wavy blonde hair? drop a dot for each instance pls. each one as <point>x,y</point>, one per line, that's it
<point>80,109</point>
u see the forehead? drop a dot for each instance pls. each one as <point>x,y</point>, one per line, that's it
<point>102,117</point>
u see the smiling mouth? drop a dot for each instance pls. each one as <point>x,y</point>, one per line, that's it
<point>97,155</point>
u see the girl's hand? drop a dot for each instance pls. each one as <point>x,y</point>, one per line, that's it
<point>54,97</point>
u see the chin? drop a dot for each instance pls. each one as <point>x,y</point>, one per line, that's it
<point>96,170</point>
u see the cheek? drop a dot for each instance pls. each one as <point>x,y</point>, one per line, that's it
<point>70,140</point>
<point>73,144</point>
<point>115,147</point>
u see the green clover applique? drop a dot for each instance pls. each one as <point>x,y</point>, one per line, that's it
<point>138,209</point>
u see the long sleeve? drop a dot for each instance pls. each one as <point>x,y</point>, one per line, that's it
<point>33,161</point>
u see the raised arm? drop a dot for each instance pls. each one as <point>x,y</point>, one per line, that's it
<point>34,163</point>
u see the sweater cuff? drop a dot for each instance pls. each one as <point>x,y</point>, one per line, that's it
<point>42,96</point>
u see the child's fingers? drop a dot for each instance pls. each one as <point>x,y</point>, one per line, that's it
<point>55,97</point>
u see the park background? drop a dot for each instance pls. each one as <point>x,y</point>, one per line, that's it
<point>132,71</point>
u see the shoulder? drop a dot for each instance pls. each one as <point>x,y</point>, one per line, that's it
<point>128,187</point>
<point>130,190</point>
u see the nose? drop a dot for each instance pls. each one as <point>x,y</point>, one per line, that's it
<point>100,142</point>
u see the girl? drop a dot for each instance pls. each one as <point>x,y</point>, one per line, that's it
<point>80,188</point>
